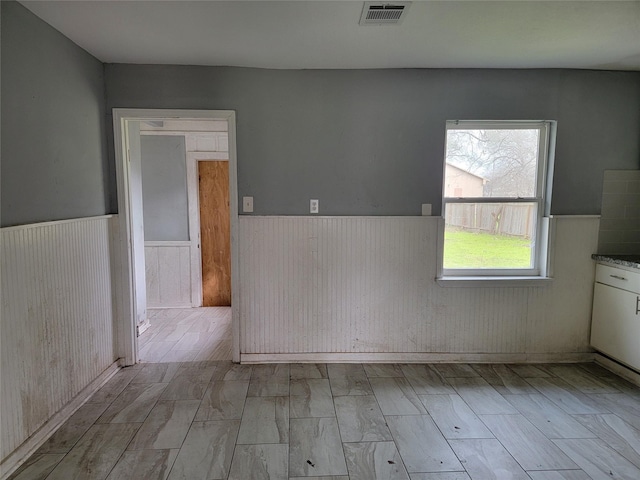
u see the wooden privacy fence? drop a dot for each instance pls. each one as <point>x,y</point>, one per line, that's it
<point>502,219</point>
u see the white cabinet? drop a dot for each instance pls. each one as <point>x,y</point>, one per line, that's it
<point>615,327</point>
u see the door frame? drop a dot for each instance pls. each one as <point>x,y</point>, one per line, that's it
<point>125,321</point>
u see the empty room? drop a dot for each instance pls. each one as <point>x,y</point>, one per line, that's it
<point>323,240</point>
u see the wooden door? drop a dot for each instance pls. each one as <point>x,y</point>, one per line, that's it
<point>215,234</point>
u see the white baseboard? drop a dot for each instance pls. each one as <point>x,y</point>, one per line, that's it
<point>21,454</point>
<point>416,357</point>
<point>618,369</point>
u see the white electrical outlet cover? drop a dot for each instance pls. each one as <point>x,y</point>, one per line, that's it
<point>426,209</point>
<point>247,204</point>
<point>314,206</point>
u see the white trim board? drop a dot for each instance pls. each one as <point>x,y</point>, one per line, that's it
<point>121,116</point>
<point>54,222</point>
<point>249,358</point>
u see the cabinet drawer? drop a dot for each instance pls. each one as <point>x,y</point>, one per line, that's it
<point>617,277</point>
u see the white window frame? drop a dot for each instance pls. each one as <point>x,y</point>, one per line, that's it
<point>541,268</point>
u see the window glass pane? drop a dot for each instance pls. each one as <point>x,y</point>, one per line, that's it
<point>490,235</point>
<point>491,163</point>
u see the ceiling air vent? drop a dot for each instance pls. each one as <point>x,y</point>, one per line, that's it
<point>379,13</point>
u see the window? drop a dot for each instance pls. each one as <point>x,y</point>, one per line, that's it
<point>495,198</point>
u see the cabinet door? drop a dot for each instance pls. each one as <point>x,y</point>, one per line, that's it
<point>615,326</point>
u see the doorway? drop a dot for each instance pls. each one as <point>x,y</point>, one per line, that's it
<point>130,218</point>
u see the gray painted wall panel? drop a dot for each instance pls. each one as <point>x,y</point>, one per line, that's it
<point>371,142</point>
<point>164,188</point>
<point>54,158</point>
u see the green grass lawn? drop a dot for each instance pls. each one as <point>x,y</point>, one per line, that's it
<point>482,250</point>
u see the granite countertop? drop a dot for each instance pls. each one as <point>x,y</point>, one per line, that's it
<point>632,261</point>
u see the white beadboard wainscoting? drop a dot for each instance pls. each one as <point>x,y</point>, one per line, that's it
<point>168,274</point>
<point>364,289</point>
<point>57,326</point>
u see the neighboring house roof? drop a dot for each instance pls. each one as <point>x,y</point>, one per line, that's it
<point>466,171</point>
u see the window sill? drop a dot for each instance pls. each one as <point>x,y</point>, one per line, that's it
<point>478,281</point>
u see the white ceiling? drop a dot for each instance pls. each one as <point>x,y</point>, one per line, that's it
<point>326,34</point>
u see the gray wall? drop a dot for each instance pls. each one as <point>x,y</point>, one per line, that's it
<point>54,160</point>
<point>371,142</point>
<point>164,188</point>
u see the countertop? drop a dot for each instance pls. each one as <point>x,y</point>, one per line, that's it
<point>631,261</point>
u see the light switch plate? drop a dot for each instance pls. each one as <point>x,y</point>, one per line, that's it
<point>247,204</point>
<point>426,209</point>
<point>314,206</point>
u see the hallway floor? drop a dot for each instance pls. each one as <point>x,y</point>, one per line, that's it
<point>186,335</point>
<point>216,420</point>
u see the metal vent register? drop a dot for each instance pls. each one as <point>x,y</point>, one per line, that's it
<point>376,13</point>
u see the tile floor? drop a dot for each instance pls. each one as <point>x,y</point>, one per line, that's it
<point>216,420</point>
<point>186,335</point>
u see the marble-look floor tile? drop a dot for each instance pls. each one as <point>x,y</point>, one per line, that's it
<point>623,405</point>
<point>357,385</point>
<point>227,371</point>
<point>440,476</point>
<point>594,369</point>
<point>268,387</point>
<point>70,432</point>
<point>481,397</point>
<point>374,460</point>
<point>426,380</point>
<point>597,459</point>
<point>189,383</point>
<point>454,417</point>
<point>528,371</point>
<point>114,387</point>
<point>531,449</point>
<point>268,371</point>
<point>421,445</point>
<point>580,379</point>
<point>503,379</point>
<point>207,451</point>
<point>622,386</point>
<point>360,419</point>
<point>175,355</point>
<point>458,370</point>
<point>559,475</point>
<point>567,397</point>
<point>134,403</point>
<point>308,370</point>
<point>223,400</point>
<point>324,477</point>
<point>166,426</point>
<point>345,370</point>
<point>487,459</point>
<point>96,453</point>
<point>144,464</point>
<point>315,448</point>
<point>156,373</point>
<point>550,419</point>
<point>37,467</point>
<point>265,420</point>
<point>383,370</point>
<point>260,462</point>
<point>153,352</point>
<point>617,433</point>
<point>396,397</point>
<point>311,398</point>
<point>193,341</point>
